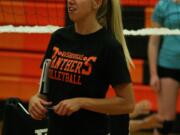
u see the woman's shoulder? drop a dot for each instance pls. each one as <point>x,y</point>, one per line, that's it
<point>63,31</point>
<point>163,4</point>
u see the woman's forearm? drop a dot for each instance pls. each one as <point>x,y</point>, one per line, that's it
<point>111,106</point>
<point>122,103</point>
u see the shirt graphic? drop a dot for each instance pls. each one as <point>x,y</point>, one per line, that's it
<point>70,67</point>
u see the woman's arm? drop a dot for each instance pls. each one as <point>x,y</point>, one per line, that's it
<point>153,47</point>
<point>122,103</point>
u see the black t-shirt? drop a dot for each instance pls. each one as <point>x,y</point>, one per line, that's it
<point>83,66</point>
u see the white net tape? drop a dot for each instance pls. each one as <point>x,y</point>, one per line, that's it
<point>50,29</point>
<point>28,29</point>
<point>152,31</point>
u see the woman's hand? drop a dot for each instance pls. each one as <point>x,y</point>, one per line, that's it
<point>68,106</point>
<point>155,83</point>
<point>37,108</point>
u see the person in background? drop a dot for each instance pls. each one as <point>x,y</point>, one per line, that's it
<point>86,58</point>
<point>165,63</point>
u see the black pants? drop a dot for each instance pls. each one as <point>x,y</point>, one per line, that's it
<point>119,124</point>
<point>56,128</point>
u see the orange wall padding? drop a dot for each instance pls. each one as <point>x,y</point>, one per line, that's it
<point>20,87</point>
<point>32,13</point>
<point>148,16</point>
<point>24,41</point>
<point>139,2</point>
<point>20,64</point>
<point>137,72</point>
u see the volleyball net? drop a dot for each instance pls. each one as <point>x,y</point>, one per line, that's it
<point>51,28</point>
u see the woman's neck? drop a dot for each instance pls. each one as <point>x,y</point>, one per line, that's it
<point>87,26</point>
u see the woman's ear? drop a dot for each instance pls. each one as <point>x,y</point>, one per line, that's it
<point>96,4</point>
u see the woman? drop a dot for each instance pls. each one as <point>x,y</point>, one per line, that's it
<point>165,65</point>
<point>85,59</point>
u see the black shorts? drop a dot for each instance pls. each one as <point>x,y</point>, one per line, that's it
<point>75,125</point>
<point>168,72</point>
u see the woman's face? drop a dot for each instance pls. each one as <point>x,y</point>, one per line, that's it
<point>80,9</point>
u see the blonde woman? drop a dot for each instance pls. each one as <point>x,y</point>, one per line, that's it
<point>85,59</point>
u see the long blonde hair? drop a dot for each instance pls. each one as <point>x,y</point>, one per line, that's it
<point>111,10</point>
